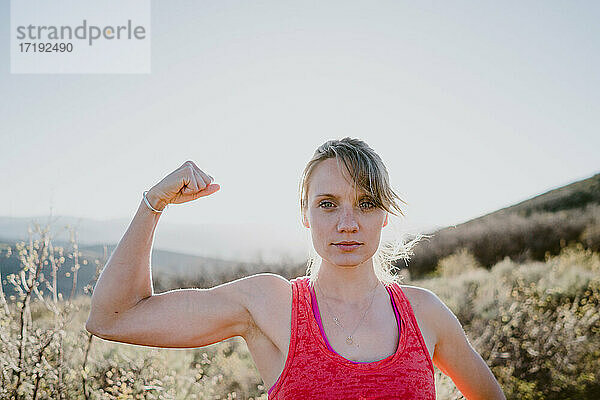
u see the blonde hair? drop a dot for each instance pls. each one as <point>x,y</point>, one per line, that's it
<point>367,171</point>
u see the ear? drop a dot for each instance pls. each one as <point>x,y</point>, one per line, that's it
<point>386,219</point>
<point>305,221</point>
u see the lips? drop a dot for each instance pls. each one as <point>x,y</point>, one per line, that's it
<point>347,245</point>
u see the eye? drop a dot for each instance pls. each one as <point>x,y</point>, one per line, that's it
<point>367,205</point>
<point>321,204</point>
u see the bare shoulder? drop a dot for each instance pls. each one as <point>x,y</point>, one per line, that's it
<point>263,288</point>
<point>437,315</point>
<point>266,283</point>
<point>430,309</point>
<point>423,300</point>
<point>265,280</point>
<point>269,299</point>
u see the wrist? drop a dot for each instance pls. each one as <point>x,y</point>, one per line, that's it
<point>155,201</point>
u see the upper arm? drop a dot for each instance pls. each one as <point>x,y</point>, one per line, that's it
<point>189,317</point>
<point>455,356</point>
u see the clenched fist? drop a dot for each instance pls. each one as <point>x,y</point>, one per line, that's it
<point>186,183</point>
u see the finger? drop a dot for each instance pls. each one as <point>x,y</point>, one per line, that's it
<point>210,189</point>
<point>193,165</point>
<point>200,175</point>
<point>193,185</point>
<point>185,164</point>
<point>200,178</point>
<point>205,177</point>
<point>189,164</point>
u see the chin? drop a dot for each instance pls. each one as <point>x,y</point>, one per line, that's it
<point>347,260</point>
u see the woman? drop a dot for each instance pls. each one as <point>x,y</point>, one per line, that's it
<point>348,330</point>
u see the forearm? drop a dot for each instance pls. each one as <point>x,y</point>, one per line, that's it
<point>127,277</point>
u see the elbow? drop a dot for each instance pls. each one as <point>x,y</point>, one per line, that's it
<point>92,327</point>
<point>96,328</point>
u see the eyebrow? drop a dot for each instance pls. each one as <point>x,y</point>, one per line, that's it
<point>335,197</point>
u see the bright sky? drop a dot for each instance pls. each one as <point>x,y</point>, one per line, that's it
<point>473,106</point>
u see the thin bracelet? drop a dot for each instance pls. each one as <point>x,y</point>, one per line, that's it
<point>148,204</point>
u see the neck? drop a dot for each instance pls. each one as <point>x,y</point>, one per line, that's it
<point>350,285</point>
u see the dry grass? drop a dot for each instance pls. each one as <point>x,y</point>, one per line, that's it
<point>536,324</point>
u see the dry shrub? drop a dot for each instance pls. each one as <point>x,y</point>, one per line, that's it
<point>591,237</point>
<point>457,263</point>
<point>537,325</point>
<point>45,351</point>
<point>520,236</point>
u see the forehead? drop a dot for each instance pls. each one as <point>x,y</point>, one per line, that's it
<point>327,177</point>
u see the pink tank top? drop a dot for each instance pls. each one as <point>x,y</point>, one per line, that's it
<point>313,370</point>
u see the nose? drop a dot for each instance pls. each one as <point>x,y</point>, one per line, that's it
<point>347,221</point>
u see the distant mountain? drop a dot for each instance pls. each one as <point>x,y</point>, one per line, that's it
<point>178,250</point>
<point>246,242</point>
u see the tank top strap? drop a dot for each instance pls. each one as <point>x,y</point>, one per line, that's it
<point>407,315</point>
<point>298,318</point>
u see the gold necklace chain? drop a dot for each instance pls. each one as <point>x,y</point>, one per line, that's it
<point>349,339</point>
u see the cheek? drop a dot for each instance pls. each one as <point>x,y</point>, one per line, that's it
<point>320,227</point>
<point>320,220</point>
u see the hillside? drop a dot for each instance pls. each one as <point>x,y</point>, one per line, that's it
<point>576,195</point>
<point>530,230</point>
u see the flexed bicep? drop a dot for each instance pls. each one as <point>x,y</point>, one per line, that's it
<point>186,318</point>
